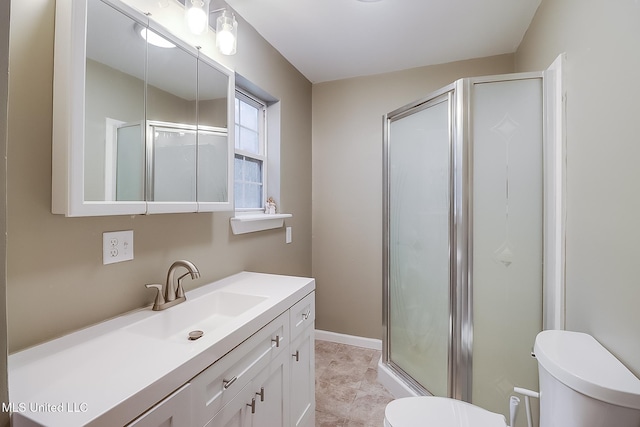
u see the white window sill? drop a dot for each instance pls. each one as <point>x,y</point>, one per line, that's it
<point>250,223</point>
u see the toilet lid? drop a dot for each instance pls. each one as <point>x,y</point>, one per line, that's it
<point>439,411</point>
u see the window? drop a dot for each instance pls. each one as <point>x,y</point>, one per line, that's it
<point>250,152</point>
<point>257,159</point>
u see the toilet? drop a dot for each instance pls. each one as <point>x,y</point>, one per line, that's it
<point>438,411</point>
<point>581,385</point>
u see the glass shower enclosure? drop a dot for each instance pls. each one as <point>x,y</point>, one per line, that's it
<point>463,212</point>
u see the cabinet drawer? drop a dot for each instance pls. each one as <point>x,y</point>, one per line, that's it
<point>302,314</point>
<point>217,385</point>
<point>171,412</point>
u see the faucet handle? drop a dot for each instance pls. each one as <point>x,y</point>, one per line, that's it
<point>180,288</point>
<point>159,298</point>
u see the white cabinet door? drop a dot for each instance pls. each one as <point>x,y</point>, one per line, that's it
<point>237,413</point>
<point>271,388</point>
<point>302,380</point>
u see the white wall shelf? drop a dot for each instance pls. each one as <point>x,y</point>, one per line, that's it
<point>250,223</point>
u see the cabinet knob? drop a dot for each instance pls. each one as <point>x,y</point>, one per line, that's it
<point>227,383</point>
<point>277,340</point>
<point>296,355</point>
<point>261,394</point>
<point>306,315</point>
<point>252,405</point>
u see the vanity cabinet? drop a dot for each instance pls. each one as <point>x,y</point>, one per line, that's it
<point>273,383</point>
<point>267,381</point>
<point>138,128</point>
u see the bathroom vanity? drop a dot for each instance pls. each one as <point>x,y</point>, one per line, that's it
<point>253,364</point>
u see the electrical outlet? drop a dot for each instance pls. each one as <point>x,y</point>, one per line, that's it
<point>287,238</point>
<point>117,246</point>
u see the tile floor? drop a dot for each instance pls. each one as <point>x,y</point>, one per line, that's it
<point>347,391</point>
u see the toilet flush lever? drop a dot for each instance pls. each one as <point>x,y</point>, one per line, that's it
<point>527,394</point>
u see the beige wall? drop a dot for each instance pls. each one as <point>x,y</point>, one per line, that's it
<point>602,42</point>
<point>347,186</point>
<point>4,80</point>
<point>56,281</point>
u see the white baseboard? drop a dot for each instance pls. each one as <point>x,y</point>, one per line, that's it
<point>349,339</point>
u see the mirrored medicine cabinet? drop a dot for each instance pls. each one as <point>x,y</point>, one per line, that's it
<point>140,125</point>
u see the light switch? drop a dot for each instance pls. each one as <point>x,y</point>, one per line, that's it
<point>288,235</point>
<point>117,246</point>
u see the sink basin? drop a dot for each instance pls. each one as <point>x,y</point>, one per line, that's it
<point>205,313</point>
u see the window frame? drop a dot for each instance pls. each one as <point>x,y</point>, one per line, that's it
<point>250,99</point>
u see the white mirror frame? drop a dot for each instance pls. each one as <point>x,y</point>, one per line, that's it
<point>69,112</point>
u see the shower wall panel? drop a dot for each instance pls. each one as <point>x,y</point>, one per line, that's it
<point>506,139</point>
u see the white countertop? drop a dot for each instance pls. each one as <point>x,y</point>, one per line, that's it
<point>106,375</point>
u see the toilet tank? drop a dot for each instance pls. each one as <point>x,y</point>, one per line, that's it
<point>582,384</point>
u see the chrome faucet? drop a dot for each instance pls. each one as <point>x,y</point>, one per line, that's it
<point>171,294</point>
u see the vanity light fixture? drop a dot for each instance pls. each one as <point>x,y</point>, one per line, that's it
<point>197,17</point>
<point>226,33</point>
<point>151,37</point>
<point>196,13</point>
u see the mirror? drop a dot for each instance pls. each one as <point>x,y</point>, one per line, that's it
<point>114,106</point>
<point>155,121</point>
<point>172,91</point>
<point>213,161</point>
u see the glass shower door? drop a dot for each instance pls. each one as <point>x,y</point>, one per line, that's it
<point>419,159</point>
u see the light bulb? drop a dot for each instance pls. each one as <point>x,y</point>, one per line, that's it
<point>197,15</point>
<point>226,34</point>
<point>197,20</point>
<point>226,42</point>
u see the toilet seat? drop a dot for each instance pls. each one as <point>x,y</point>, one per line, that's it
<point>430,411</point>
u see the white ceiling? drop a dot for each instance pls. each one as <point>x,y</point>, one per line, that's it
<point>336,39</point>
